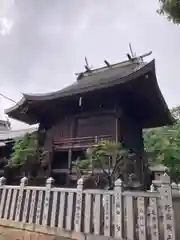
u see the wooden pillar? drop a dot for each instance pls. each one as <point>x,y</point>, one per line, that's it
<point>51,155</point>
<point>138,170</point>
<point>69,160</point>
<point>50,162</point>
<point>117,129</point>
<point>69,166</point>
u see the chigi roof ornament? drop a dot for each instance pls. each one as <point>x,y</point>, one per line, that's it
<point>132,55</point>
<point>87,67</point>
<point>132,58</point>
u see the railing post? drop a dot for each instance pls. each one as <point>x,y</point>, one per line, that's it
<point>49,183</point>
<point>167,204</point>
<point>79,201</point>
<point>3,193</point>
<point>118,209</point>
<point>153,207</point>
<point>20,198</point>
<point>2,181</point>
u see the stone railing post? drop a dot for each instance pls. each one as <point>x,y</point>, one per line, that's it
<point>79,202</point>
<point>23,183</point>
<point>118,209</point>
<point>165,191</point>
<point>2,195</point>
<point>153,210</point>
<point>2,181</point>
<point>49,183</point>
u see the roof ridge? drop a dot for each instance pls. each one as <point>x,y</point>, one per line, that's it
<point>105,68</point>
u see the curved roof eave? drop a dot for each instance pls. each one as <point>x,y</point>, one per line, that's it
<point>75,89</point>
<point>17,105</point>
<point>65,91</point>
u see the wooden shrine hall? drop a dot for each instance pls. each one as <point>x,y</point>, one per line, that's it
<point>114,102</point>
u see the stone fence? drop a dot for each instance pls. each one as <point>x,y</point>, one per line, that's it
<point>78,213</point>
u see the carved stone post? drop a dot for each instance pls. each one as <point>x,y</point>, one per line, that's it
<point>49,184</point>
<point>167,204</point>
<point>3,194</point>
<point>79,202</point>
<point>20,198</point>
<point>153,206</point>
<point>2,181</point>
<point>118,209</point>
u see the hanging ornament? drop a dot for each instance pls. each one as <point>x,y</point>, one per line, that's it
<point>80,101</point>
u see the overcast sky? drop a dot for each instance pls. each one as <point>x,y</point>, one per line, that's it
<point>43,43</point>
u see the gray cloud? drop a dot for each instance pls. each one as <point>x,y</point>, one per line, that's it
<point>48,40</point>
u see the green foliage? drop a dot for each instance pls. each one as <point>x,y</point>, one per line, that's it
<point>82,165</point>
<point>109,157</point>
<point>171,9</point>
<point>163,145</point>
<point>24,147</point>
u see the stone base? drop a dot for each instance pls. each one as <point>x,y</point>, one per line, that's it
<point>17,234</point>
<point>11,230</point>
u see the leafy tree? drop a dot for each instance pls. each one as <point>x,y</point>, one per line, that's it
<point>163,145</point>
<point>22,149</point>
<point>171,9</point>
<point>108,158</point>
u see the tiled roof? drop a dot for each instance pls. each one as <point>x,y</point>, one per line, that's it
<point>102,78</point>
<point>90,80</point>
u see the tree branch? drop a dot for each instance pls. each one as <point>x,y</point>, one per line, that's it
<point>103,168</point>
<point>116,165</point>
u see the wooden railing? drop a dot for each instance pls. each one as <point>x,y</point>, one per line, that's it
<point>80,141</point>
<point>119,214</point>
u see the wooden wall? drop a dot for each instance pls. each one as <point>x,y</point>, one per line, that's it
<point>81,126</point>
<point>60,130</point>
<point>124,129</point>
<point>95,126</point>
